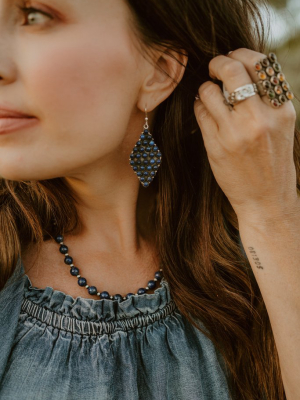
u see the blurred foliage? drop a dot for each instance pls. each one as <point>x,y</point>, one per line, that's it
<point>279,3</point>
<point>289,58</point>
<point>288,53</point>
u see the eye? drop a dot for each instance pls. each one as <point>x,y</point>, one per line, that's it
<point>30,10</point>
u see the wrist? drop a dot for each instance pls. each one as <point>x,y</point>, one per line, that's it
<point>271,215</point>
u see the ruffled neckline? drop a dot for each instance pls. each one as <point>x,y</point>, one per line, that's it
<point>101,309</point>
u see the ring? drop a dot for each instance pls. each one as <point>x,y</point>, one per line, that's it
<point>239,94</point>
<point>272,83</point>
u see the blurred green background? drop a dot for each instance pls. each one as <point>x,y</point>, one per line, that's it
<point>284,40</point>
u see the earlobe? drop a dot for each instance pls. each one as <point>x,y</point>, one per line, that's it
<point>168,70</point>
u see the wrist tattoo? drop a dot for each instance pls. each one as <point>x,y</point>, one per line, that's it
<point>255,258</point>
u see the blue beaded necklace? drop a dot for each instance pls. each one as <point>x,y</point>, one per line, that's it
<point>74,271</point>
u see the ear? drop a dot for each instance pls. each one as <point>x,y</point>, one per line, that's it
<point>157,85</point>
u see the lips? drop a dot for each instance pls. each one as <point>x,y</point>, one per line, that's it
<point>9,125</point>
<point>7,113</point>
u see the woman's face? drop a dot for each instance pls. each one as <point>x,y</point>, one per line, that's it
<point>79,73</point>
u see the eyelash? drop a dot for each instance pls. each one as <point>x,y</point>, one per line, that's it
<point>28,10</point>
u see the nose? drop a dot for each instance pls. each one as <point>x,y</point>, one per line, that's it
<point>7,70</point>
<point>7,65</point>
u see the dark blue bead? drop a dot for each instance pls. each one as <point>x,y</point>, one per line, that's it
<point>135,168</point>
<point>81,281</point>
<point>146,162</point>
<point>152,161</point>
<point>146,173</point>
<point>151,284</point>
<point>118,297</point>
<point>146,184</point>
<point>132,156</point>
<point>150,179</point>
<point>68,260</point>
<point>158,275</point>
<point>138,155</point>
<point>104,295</point>
<point>142,148</point>
<point>63,249</point>
<point>152,173</point>
<point>142,179</point>
<point>74,271</point>
<point>139,173</point>
<point>129,295</point>
<point>149,168</point>
<point>159,154</point>
<point>139,162</point>
<point>142,137</point>
<point>155,167</point>
<point>132,162</point>
<point>142,168</point>
<point>151,143</point>
<point>92,290</point>
<point>146,131</point>
<point>141,291</point>
<point>138,143</point>
<point>59,239</point>
<point>145,142</point>
<point>151,154</point>
<point>155,148</point>
<point>145,155</point>
<point>135,149</point>
<point>148,149</point>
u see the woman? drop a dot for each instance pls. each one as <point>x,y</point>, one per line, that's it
<point>204,227</point>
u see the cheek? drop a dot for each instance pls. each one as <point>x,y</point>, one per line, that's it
<point>76,79</point>
<point>84,93</point>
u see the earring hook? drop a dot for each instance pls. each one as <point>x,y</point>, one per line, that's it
<point>146,126</point>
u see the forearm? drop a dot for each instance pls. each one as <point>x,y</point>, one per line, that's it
<point>273,250</point>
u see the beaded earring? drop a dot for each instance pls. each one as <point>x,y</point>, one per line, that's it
<point>145,157</point>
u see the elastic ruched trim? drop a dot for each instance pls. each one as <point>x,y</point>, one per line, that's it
<point>66,323</point>
<point>102,310</point>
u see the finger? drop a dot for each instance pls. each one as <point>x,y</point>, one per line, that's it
<point>233,74</point>
<point>209,127</point>
<point>213,99</point>
<point>249,58</point>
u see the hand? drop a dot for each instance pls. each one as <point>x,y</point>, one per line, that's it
<point>250,149</point>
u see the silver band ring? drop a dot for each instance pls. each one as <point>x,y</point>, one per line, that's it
<point>240,94</point>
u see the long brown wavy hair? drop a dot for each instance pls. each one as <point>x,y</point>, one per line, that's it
<point>197,234</point>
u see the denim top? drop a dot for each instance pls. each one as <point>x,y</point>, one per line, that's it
<point>60,348</point>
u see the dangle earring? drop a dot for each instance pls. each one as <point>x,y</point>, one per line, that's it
<point>145,157</point>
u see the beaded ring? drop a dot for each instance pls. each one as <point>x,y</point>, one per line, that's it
<point>272,81</point>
